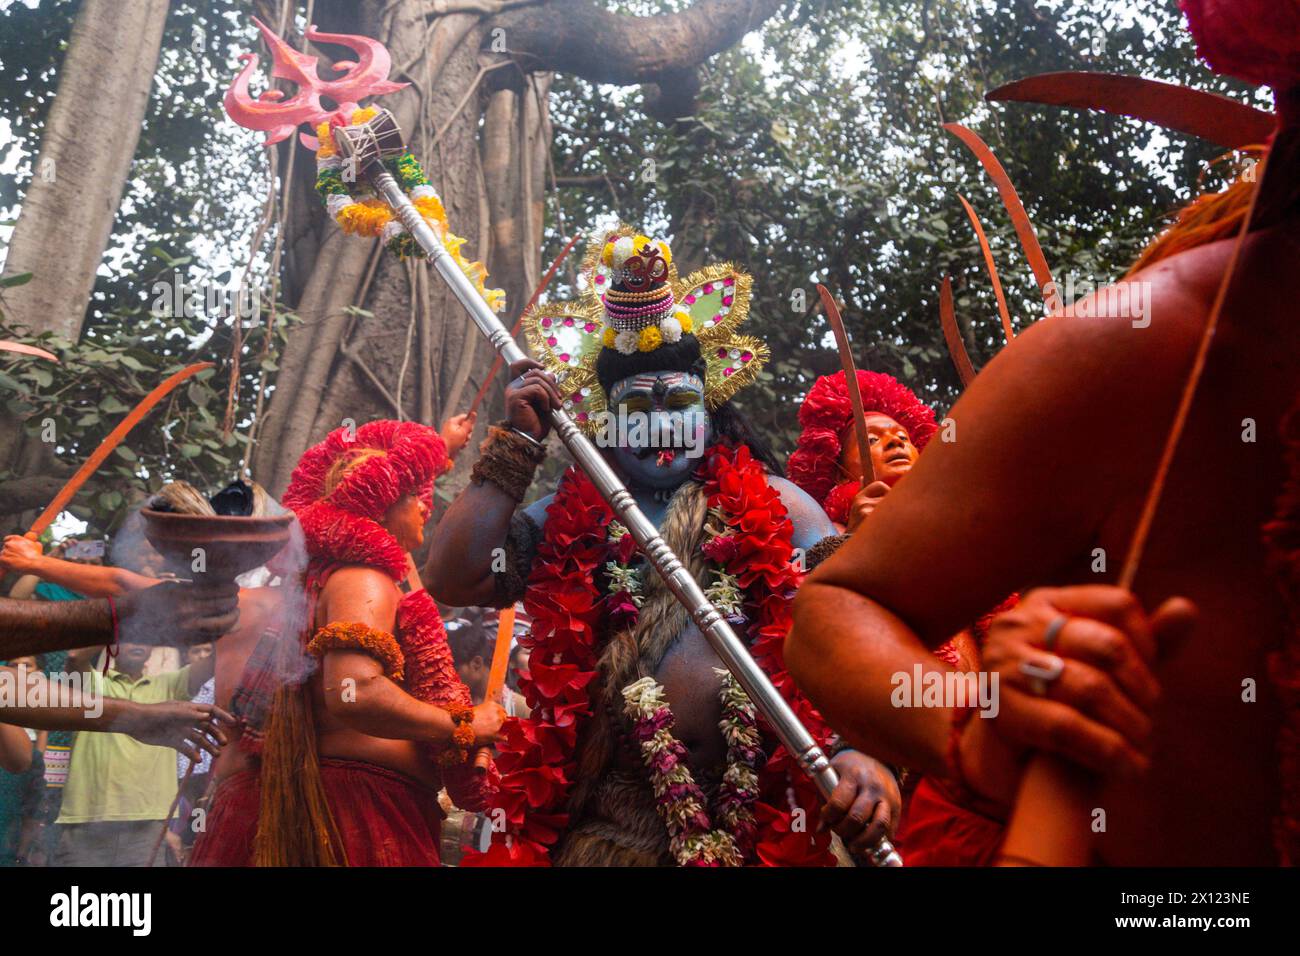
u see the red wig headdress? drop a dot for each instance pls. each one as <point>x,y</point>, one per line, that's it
<point>1254,40</point>
<point>343,526</point>
<point>826,415</point>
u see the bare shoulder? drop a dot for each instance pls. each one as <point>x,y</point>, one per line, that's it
<point>359,593</point>
<point>810,522</point>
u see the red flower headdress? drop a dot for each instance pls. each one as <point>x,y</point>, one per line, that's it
<point>1254,40</point>
<point>343,526</point>
<point>826,415</point>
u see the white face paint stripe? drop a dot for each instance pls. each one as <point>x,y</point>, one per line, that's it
<point>646,382</point>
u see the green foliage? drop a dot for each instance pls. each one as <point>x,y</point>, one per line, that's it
<point>817,155</point>
<point>184,218</point>
<point>99,381</point>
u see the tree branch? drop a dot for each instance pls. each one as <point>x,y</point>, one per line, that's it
<point>23,494</point>
<point>583,39</point>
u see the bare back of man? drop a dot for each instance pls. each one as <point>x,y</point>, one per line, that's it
<point>1056,444</point>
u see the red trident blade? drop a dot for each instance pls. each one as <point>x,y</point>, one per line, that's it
<point>278,117</point>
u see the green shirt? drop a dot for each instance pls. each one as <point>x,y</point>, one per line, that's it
<point>113,777</point>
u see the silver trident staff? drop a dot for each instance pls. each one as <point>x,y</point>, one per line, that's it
<point>362,149</point>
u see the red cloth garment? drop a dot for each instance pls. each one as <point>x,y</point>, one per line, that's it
<point>938,831</point>
<point>384,818</point>
<point>369,804</point>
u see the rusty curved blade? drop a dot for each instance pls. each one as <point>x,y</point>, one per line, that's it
<point>497,674</point>
<point>1015,208</point>
<point>1223,121</point>
<point>851,380</point>
<point>952,335</point>
<point>29,350</point>
<point>501,653</point>
<point>111,441</point>
<point>532,301</point>
<point>993,269</point>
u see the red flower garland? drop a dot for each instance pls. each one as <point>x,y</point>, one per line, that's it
<point>536,758</point>
<point>737,484</point>
<point>839,501</point>
<point>1250,39</point>
<point>568,610</point>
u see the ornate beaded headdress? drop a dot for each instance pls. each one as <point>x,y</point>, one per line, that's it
<point>634,303</point>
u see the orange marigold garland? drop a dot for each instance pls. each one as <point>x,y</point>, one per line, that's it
<point>355,636</point>
<point>462,735</point>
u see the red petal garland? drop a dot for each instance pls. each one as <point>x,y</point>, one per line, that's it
<point>570,622</point>
<point>537,755</point>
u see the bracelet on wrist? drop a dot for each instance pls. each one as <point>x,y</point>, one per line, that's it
<point>462,735</point>
<point>508,458</point>
<point>527,437</point>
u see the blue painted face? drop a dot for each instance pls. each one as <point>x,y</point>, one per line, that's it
<point>657,428</point>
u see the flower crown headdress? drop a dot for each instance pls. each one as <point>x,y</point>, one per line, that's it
<point>388,460</point>
<point>634,303</point>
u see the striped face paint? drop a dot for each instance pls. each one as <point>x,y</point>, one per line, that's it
<point>656,428</point>
<point>658,385</point>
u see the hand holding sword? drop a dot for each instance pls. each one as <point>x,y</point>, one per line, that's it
<point>497,676</point>
<point>872,489</point>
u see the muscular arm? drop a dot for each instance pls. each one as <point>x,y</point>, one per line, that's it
<point>167,613</point>
<point>82,711</point>
<point>378,708</point>
<point>37,627</point>
<point>1051,438</point>
<point>475,528</point>
<point>459,570</point>
<point>91,580</point>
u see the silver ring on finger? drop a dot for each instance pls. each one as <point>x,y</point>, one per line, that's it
<point>1053,632</point>
<point>1042,672</point>
<point>884,854</point>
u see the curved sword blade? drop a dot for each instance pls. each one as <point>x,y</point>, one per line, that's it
<point>111,441</point>
<point>29,350</point>
<point>993,269</point>
<point>952,335</point>
<point>1015,208</point>
<point>851,381</point>
<point>1226,122</point>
